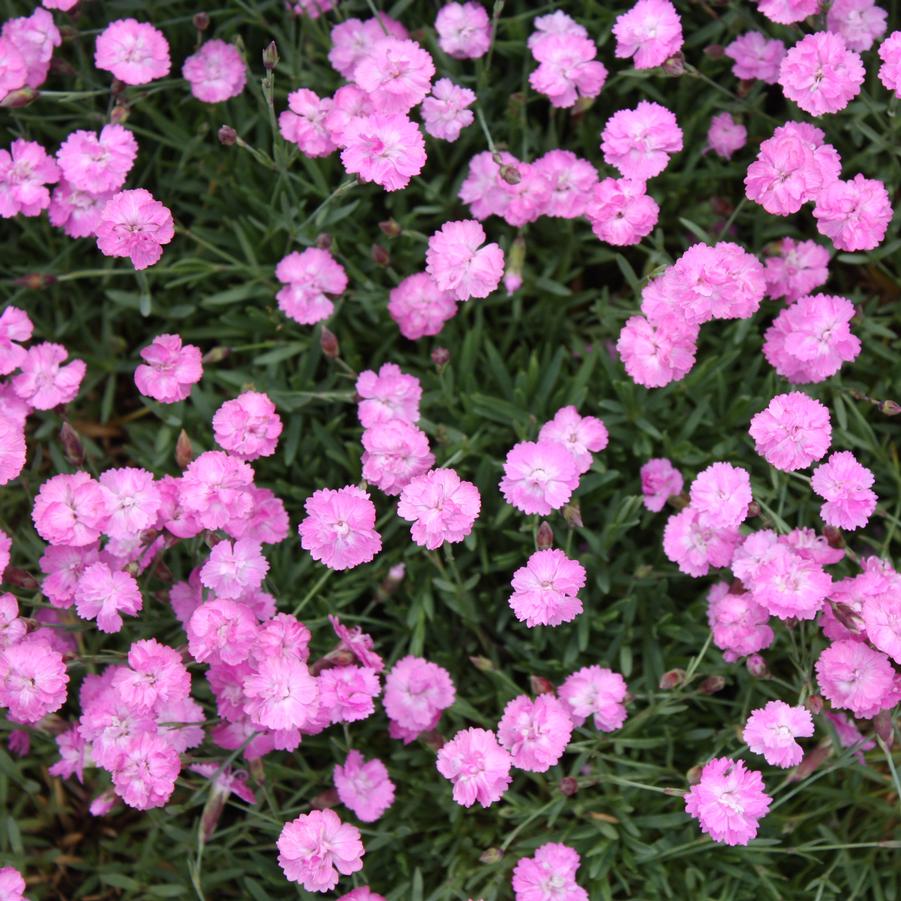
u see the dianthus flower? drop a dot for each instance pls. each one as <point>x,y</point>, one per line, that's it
<point>416,692</point>
<point>145,774</point>
<point>134,224</point>
<point>15,327</point>
<point>310,277</point>
<point>103,594</point>
<point>395,452</point>
<point>854,677</point>
<point>5,546</point>
<point>660,481</point>
<point>419,307</point>
<point>12,885</point>
<point>356,641</point>
<point>785,174</point>
<point>221,631</point>
<point>549,875</point>
<point>33,680</point>
<point>12,626</point>
<point>539,477</point>
<point>721,494</point>
<point>890,69</point>
<point>62,566</point>
<point>155,676</point>
<point>567,69</point>
<point>477,765</point>
<point>535,732</point>
<point>215,488</point>
<point>528,191</point>
<point>771,730</point>
<point>621,212</point>
<point>728,801</point>
<point>25,171</point>
<point>304,123</point>
<point>726,136</point>
<point>396,74</point>
<point>483,189</point>
<point>280,693</point>
<point>580,435</point>
<point>348,693</point>
<point>821,74</point>
<point>134,52</point>
<point>364,786</point>
<point>169,370</point>
<point>216,72</point>
<point>248,426</point>
<point>807,544</point>
<point>98,163</point>
<point>387,394</point>
<point>570,179</point>
<point>445,111</point>
<point>854,214</point>
<point>826,158</point>
<point>348,104</point>
<point>694,545</point>
<point>13,69</point>
<point>545,589</point>
<point>639,142</point>
<point>790,586</point>
<point>339,527</point>
<point>464,30</point>
<point>132,501</point>
<point>755,56</point>
<point>795,269</point>
<point>719,282</point>
<point>460,264</point>
<point>792,432</point>
<point>846,487</point>
<point>882,618</point>
<point>352,40</point>
<point>441,506</point>
<point>234,569</point>
<point>76,212</point>
<point>597,692</point>
<point>859,22</point>
<point>810,340</point>
<point>33,37</point>
<point>387,149</point>
<point>655,356</point>
<point>70,510</point>
<point>316,847</point>
<point>267,521</point>
<point>651,32</point>
<point>555,23</point>
<point>787,12</point>
<point>740,625</point>
<point>43,382</point>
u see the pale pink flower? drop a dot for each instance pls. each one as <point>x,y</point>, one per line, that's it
<point>846,487</point>
<point>442,507</point>
<point>169,370</point>
<point>859,22</point>
<point>34,39</point>
<point>134,52</point>
<point>103,595</point>
<point>312,8</point>
<point>419,307</point>
<point>597,692</point>
<point>5,547</point>
<point>571,181</point>
<point>12,885</point>
<point>695,546</point>
<point>387,394</point>
<point>233,570</point>
<point>477,765</point>
<point>387,149</point>
<point>849,736</point>
<point>43,382</point>
<point>76,212</point>
<point>304,123</point>
<point>311,278</point>
<point>787,12</point>
<point>621,212</point>
<point>348,693</point>
<point>98,163</point>
<point>483,189</point>
<point>445,112</point>
<point>352,40</point>
<point>740,625</point>
<point>882,618</point>
<point>248,426</point>
<point>660,481</point>
<point>580,435</point>
<point>339,527</point>
<point>639,142</point>
<point>555,23</point>
<point>395,452</point>
<point>821,74</point>
<point>317,847</point>
<point>25,171</point>
<point>728,801</point>
<point>13,68</point>
<point>364,786</point>
<point>12,626</point>
<point>155,676</point>
<point>771,730</point>
<point>656,355</point>
<point>15,327</point>
<point>356,641</point>
<point>785,174</point>
<point>12,449</point>
<point>792,432</point>
<point>790,586</point>
<point>545,590</point>
<point>549,875</point>
<point>725,136</point>
<point>464,30</point>
<point>890,69</point>
<point>144,776</point>
<point>539,477</point>
<point>62,567</point>
<point>535,732</point>
<point>215,489</point>
<point>132,501</point>
<point>650,32</point>
<point>567,69</point>
<point>396,74</point>
<point>721,494</point>
<point>221,631</point>
<point>280,693</point>
<point>134,224</point>
<point>216,72</point>
<point>795,269</point>
<point>854,214</point>
<point>416,692</point>
<point>852,676</point>
<point>460,264</point>
<point>756,56</point>
<point>70,510</point>
<point>33,680</point>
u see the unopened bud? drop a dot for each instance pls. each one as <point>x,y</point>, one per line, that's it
<point>270,56</point>
<point>227,136</point>
<point>834,537</point>
<point>390,228</point>
<point>434,740</point>
<point>712,684</point>
<point>882,725</point>
<point>19,742</point>
<point>212,813</point>
<point>34,281</point>
<point>18,578</point>
<point>674,66</point>
<point>545,537</point>
<point>736,586</point>
<point>889,408</point>
<point>745,86</point>
<point>380,256</point>
<point>568,786</point>
<point>119,114</point>
<point>678,501</point>
<point>216,355</point>
<point>581,106</point>
<point>325,800</point>
<point>18,99</point>
<point>323,241</point>
<point>118,87</point>
<point>491,856</point>
<point>541,686</point>
<point>672,679</point>
<point>441,357</point>
<point>572,513</point>
<point>72,446</point>
<point>201,21</point>
<point>510,174</point>
<point>814,704</point>
<point>62,67</point>
<point>812,760</point>
<point>757,666</point>
<point>329,343</point>
<point>482,664</point>
<point>184,453</point>
<point>715,51</point>
<point>693,776</point>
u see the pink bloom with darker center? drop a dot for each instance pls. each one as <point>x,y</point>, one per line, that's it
<point>364,786</point>
<point>597,692</point>
<point>416,692</point>
<point>339,528</point>
<point>233,570</point>
<point>281,694</point>
<point>311,278</point>
<point>134,52</point>
<point>639,142</point>
<point>445,111</point>
<point>169,370</point>
<point>567,69</point>
<point>650,32</point>
<point>441,506</point>
<point>855,677</point>
<point>846,487</point>
<point>394,453</point>
<point>477,765</point>
<point>460,264</point>
<point>539,477</point>
<point>545,589</point>
<point>215,72</point>
<point>792,432</point>
<point>304,123</point>
<point>103,595</point>
<point>98,162</point>
<point>386,395</point>
<point>535,732</point>
<point>144,776</point>
<point>317,848</point>
<point>821,74</point>
<point>660,481</point>
<point>386,149</point>
<point>25,171</point>
<point>134,224</point>
<point>248,426</point>
<point>772,729</point>
<point>621,212</point>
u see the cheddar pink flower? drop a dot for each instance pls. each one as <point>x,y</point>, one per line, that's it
<point>103,595</point>
<point>464,30</point>
<point>134,52</point>
<point>98,162</point>
<point>442,507</point>
<point>854,214</point>
<point>364,786</point>
<point>660,481</point>
<point>580,435</point>
<point>597,692</point>
<point>304,123</point>
<point>134,224</point>
<point>545,590</point>
<point>771,730</point>
<point>216,72</point>
<point>821,74</point>
<point>248,426</point>
<point>855,677</point>
<point>846,487</point>
<point>639,142</point>
<point>25,171</point>
<point>535,732</point>
<point>170,369</point>
<point>477,765</point>
<point>650,32</point>
<point>792,432</point>
<point>317,848</point>
<point>387,394</point>
<point>44,382</point>
<point>460,264</point>
<point>755,56</point>
<point>539,477</point>
<point>445,112</point>
<point>387,149</point>
<point>33,680</point>
<point>339,528</point>
<point>419,307</point>
<point>70,510</point>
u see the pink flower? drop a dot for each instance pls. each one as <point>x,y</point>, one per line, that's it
<point>12,885</point>
<point>555,23</point>
<point>695,545</point>
<point>304,123</point>
<point>859,22</point>
<point>728,801</point>
<point>882,619</point>
<point>477,765</point>
<point>785,174</point>
<point>34,39</point>
<point>364,786</point>
<point>792,432</point>
<point>316,847</point>
<point>549,875</point>
<point>535,733</point>
<point>660,481</point>
<point>169,370</point>
<point>98,163</point>
<point>464,30</point>
<point>76,212</point>
<point>441,506</point>
<point>651,32</point>
<point>395,452</point>
<point>339,528</point>
<point>726,136</point>
<point>445,111</point>
<point>145,774</point>
<point>419,307</point>
<point>155,676</point>
<point>103,594</point>
<point>132,501</point>
<point>352,40</point>
<point>795,269</point>
<point>890,69</point>
<point>15,327</point>
<point>221,631</point>
<point>570,180</point>
<point>528,197</point>
<point>312,8</point>
<point>5,546</point>
<point>416,692</point>
<point>846,487</point>
<point>639,141</point>
<point>356,641</point>
<point>567,69</point>
<point>539,477</point>
<point>233,570</point>
<point>756,57</point>
<point>621,212</point>
<point>134,224</point>
<point>459,263</point>
<point>721,494</point>
<point>13,68</point>
<point>70,510</point>
<point>33,680</point>
<point>281,694</point>
<point>385,148</point>
<point>483,189</point>
<point>597,692</point>
<point>740,625</point>
<point>386,395</point>
<point>787,12</point>
<point>580,435</point>
<point>134,52</point>
<point>216,72</point>
<point>656,355</point>
<point>248,426</point>
<point>310,277</point>
<point>215,489</point>
<point>25,172</point>
<point>771,730</point>
<point>849,736</point>
<point>44,383</point>
<point>854,214</point>
<point>362,893</point>
<point>396,74</point>
<point>62,567</point>
<point>821,74</point>
<point>790,586</point>
<point>545,589</point>
<point>855,677</point>
<point>12,449</point>
<point>12,626</point>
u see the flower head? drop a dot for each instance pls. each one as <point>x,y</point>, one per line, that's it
<point>792,432</point>
<point>650,32</point>
<point>98,162</point>
<point>43,381</point>
<point>854,214</point>
<point>339,528</point>
<point>364,786</point>
<point>639,142</point>
<point>169,370</point>
<point>771,730</point>
<point>535,732</point>
<point>70,510</point>
<point>660,481</point>
<point>441,506</point>
<point>539,476</point>
<point>33,680</point>
<point>597,692</point>
<point>477,765</point>
<point>103,595</point>
<point>549,875</point>
<point>460,264</point>
<point>545,589</point>
<point>317,848</point>
<point>416,692</point>
<point>419,307</point>
<point>855,677</point>
<point>821,74</point>
<point>756,56</point>
<point>216,72</point>
<point>25,171</point>
<point>145,773</point>
<point>394,453</point>
<point>464,30</point>
<point>134,52</point>
<point>385,148</point>
<point>134,224</point>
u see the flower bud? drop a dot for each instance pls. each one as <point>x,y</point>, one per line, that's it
<point>693,776</point>
<point>510,174</point>
<point>380,256</point>
<point>441,357</point>
<point>572,513</point>
<point>228,137</point>
<point>216,355</point>
<point>18,99</point>
<point>883,727</point>
<point>18,578</point>
<point>545,537</point>
<point>541,686</point>
<point>672,679</point>
<point>329,344</point>
<point>715,51</point>
<point>757,666</point>
<point>211,814</point>
<point>19,742</point>
<point>834,537</point>
<point>812,760</point>
<point>434,740</point>
<point>814,704</point>
<point>323,241</point>
<point>675,65</point>
<point>390,228</point>
<point>491,856</point>
<point>712,684</point>
<point>184,453</point>
<point>568,786</point>
<point>890,408</point>
<point>581,106</point>
<point>270,56</point>
<point>119,114</point>
<point>325,800</point>
<point>482,664</point>
<point>72,446</point>
<point>34,281</point>
<point>201,21</point>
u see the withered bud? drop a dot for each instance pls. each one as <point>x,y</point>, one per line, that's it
<point>119,113</point>
<point>581,106</point>
<point>325,800</point>
<point>541,686</point>
<point>118,87</point>
<point>812,760</point>
<point>18,99</point>
<point>882,725</point>
<point>329,343</point>
<point>323,241</point>
<point>270,56</point>
<point>693,776</point>
<point>712,684</point>
<point>568,786</point>
<point>672,679</point>
<point>814,704</point>
<point>18,578</point>
<point>72,446</point>
<point>834,537</point>
<point>216,355</point>
<point>753,509</point>
<point>510,174</point>
<point>380,256</point>
<point>736,586</point>
<point>482,664</point>
<point>441,357</point>
<point>63,67</point>
<point>675,65</point>
<point>572,513</point>
<point>491,856</point>
<point>184,453</point>
<point>757,667</point>
<point>390,228</point>
<point>545,537</point>
<point>434,740</point>
<point>227,135</point>
<point>35,281</point>
<point>201,21</point>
